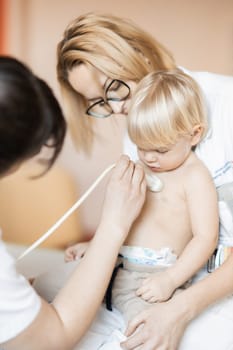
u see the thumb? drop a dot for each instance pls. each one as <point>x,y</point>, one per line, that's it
<point>134,324</point>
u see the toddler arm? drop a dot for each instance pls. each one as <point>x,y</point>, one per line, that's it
<point>202,204</point>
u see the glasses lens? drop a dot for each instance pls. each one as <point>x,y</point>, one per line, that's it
<point>117,91</point>
<point>100,110</point>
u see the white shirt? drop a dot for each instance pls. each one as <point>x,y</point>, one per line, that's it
<point>19,303</point>
<point>216,150</point>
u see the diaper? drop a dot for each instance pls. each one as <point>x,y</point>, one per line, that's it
<point>139,259</point>
<point>146,256</point>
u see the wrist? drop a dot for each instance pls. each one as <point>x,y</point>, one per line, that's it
<point>111,233</point>
<point>186,305</point>
<point>175,282</point>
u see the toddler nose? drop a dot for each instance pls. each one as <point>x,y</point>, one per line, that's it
<point>151,156</point>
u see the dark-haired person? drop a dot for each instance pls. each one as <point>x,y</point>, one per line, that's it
<point>30,118</point>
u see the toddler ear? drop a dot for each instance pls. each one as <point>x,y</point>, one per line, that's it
<point>196,134</point>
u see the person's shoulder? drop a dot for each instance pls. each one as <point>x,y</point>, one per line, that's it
<point>195,170</point>
<point>212,82</point>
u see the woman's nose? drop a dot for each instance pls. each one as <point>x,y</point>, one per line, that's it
<point>117,106</point>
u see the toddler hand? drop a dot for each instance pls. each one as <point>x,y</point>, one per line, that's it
<point>76,251</point>
<point>158,287</point>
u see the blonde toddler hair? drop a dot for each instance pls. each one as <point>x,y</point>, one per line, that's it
<point>165,106</point>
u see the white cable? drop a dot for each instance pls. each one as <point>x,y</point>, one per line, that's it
<point>68,213</point>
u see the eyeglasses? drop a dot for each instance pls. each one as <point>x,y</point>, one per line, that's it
<point>116,91</point>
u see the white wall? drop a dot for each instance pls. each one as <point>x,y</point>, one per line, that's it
<point>199,33</point>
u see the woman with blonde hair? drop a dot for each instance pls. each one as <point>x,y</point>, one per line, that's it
<point>103,43</point>
<point>101,59</point>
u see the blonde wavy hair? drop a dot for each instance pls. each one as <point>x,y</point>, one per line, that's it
<point>115,46</point>
<point>165,106</point>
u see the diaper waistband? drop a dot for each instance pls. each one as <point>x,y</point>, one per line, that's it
<point>146,256</point>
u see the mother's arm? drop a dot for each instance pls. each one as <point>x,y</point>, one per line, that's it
<point>166,331</point>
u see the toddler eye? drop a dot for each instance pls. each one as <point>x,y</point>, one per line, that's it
<point>161,151</point>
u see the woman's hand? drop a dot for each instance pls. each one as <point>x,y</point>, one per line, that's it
<point>161,327</point>
<point>124,196</point>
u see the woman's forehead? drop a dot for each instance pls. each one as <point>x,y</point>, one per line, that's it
<point>87,80</point>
